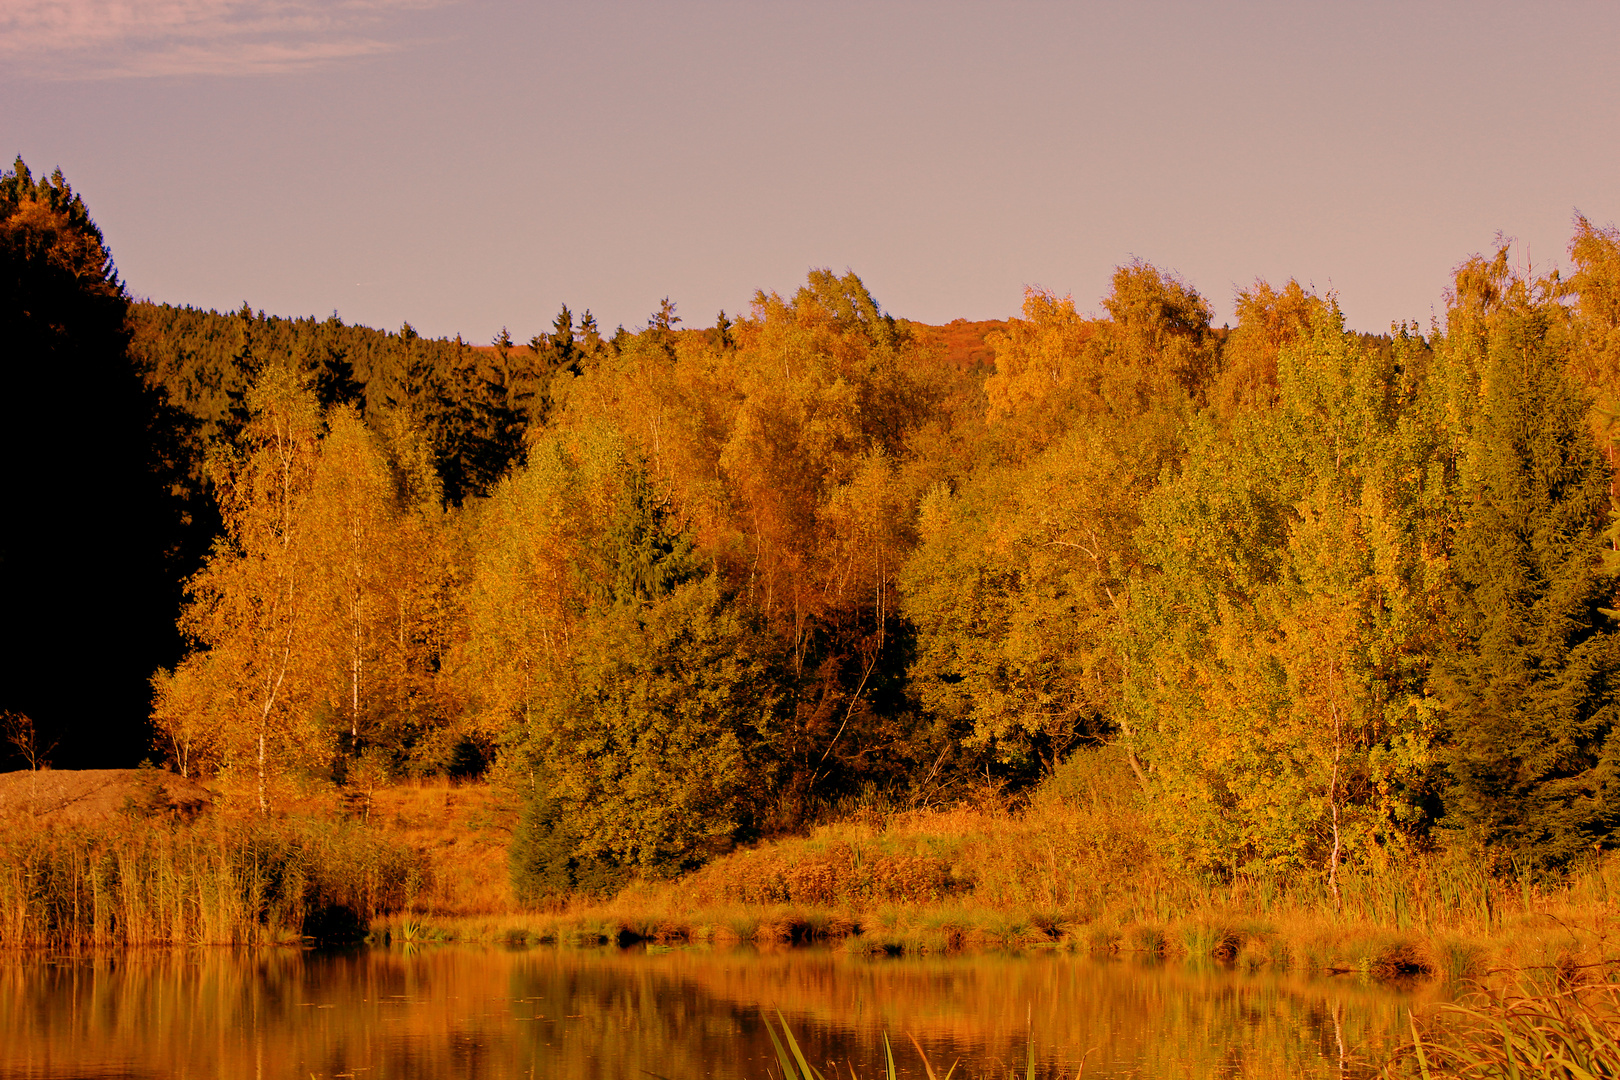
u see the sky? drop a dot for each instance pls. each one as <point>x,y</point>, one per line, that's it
<point>468,164</point>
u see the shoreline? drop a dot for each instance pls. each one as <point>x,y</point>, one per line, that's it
<point>429,864</point>
<point>1237,942</point>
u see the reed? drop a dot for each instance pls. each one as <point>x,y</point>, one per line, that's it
<point>1078,864</point>
<point>222,882</point>
<point>1561,1029</point>
<point>790,1058</point>
<point>794,1066</point>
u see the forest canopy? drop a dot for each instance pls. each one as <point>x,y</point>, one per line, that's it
<point>1336,597</point>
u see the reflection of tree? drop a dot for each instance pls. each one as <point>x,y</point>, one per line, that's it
<point>585,1014</point>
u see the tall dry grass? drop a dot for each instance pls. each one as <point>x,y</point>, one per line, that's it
<point>464,830</point>
<point>1562,1025</point>
<point>221,881</point>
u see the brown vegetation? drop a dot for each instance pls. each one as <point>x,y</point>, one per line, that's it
<point>81,796</point>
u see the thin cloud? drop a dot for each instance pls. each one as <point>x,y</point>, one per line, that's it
<point>78,39</point>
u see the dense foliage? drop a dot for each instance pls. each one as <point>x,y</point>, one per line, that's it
<point>1333,597</point>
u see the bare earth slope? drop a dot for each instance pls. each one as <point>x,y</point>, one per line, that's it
<point>79,796</point>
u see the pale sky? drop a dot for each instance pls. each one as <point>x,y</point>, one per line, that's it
<point>469,164</point>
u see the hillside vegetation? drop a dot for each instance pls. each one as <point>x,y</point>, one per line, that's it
<point>1336,606</point>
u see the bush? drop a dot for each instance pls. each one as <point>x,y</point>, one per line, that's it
<point>544,858</point>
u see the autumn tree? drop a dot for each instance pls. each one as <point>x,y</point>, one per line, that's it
<point>1018,585</point>
<point>353,543</point>
<point>1278,645</point>
<point>1158,334</point>
<point>1268,321</point>
<point>1595,287</point>
<point>249,609</point>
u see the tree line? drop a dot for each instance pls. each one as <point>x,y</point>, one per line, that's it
<point>1334,597</point>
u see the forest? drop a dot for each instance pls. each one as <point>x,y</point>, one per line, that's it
<point>1334,598</point>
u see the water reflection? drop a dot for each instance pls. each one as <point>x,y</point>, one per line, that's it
<point>688,1013</point>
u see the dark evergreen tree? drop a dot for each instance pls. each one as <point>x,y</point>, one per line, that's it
<point>557,356</point>
<point>87,594</point>
<point>331,370</point>
<point>544,861</point>
<point>649,555</point>
<point>1530,680</point>
<point>479,433</point>
<point>720,333</point>
<point>590,338</point>
<point>661,327</point>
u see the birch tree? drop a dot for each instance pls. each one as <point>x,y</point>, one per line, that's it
<point>249,607</point>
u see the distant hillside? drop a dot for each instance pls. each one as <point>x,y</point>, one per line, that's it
<point>963,341</point>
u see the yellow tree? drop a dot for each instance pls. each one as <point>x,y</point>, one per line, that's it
<point>1595,359</point>
<point>248,608</point>
<point>1279,647</point>
<point>1268,320</point>
<point>525,591</point>
<point>766,442</point>
<point>354,544</point>
<point>1017,585</point>
<point>426,632</point>
<point>1043,375</point>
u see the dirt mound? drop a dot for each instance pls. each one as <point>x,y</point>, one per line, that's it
<point>78,796</point>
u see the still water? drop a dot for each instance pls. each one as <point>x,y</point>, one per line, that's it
<point>583,1014</point>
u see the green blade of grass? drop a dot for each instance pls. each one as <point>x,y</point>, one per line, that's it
<point>806,1071</point>
<point>788,1068</point>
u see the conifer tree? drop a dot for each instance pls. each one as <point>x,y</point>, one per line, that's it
<point>590,338</point>
<point>91,524</point>
<point>1531,676</point>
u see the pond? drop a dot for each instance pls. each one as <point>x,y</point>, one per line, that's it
<point>583,1014</point>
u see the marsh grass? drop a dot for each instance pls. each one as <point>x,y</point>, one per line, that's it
<point>139,882</point>
<point>1562,1027</point>
<point>790,1058</point>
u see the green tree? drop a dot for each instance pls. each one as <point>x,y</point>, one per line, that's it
<point>653,746</point>
<point>1278,649</point>
<point>1530,679</point>
<point>634,697</point>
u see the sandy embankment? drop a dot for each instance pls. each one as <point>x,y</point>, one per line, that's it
<point>81,796</point>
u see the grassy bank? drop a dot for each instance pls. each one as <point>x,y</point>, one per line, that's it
<point>1076,867</point>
